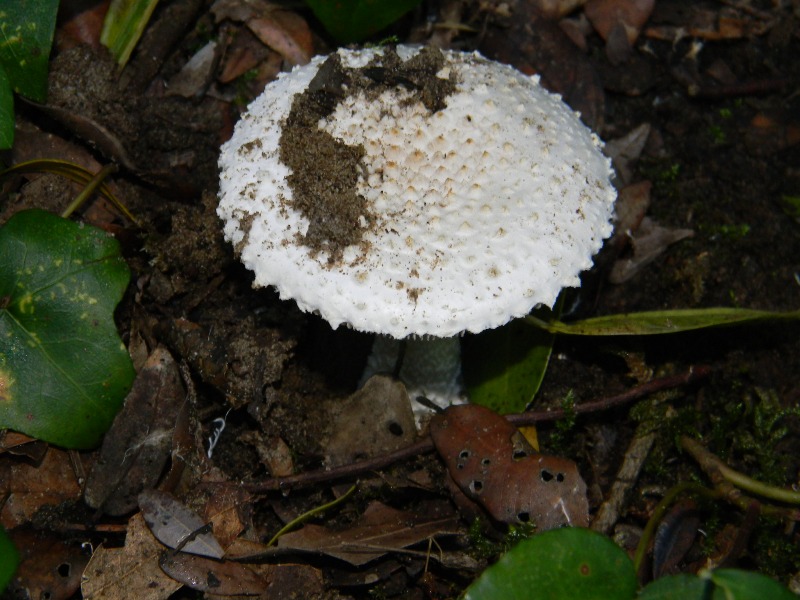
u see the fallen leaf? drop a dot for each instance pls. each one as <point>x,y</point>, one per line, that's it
<point>173,524</point>
<point>629,15</point>
<point>222,511</point>
<point>626,150</point>
<point>224,578</point>
<point>136,448</point>
<point>629,210</point>
<point>674,537</point>
<point>196,75</point>
<point>284,31</point>
<point>49,567</point>
<point>649,241</point>
<point>28,487</point>
<point>495,466</point>
<point>112,574</point>
<point>377,419</point>
<point>379,531</point>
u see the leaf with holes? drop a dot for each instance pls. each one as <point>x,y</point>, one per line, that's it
<point>64,371</point>
<point>560,564</point>
<point>495,466</point>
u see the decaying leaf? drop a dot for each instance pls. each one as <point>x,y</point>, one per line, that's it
<point>377,419</point>
<point>380,530</point>
<point>25,488</point>
<point>224,578</point>
<point>629,15</point>
<point>648,242</point>
<point>137,447</point>
<point>495,466</point>
<point>175,526</point>
<point>113,574</point>
<point>284,31</point>
<point>49,567</point>
<point>626,150</point>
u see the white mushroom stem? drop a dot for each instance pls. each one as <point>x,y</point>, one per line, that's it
<point>429,367</point>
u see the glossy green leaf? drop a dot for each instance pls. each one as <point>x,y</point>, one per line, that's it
<point>662,321</point>
<point>64,371</point>
<point>355,20</point>
<point>735,584</point>
<point>26,35</point>
<point>123,26</point>
<point>9,559</point>
<point>559,564</point>
<point>504,367</point>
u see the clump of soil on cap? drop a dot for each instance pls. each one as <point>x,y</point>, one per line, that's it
<point>326,170</point>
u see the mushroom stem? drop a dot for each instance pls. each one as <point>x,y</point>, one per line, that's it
<point>429,367</point>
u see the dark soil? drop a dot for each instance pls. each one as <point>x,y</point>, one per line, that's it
<point>723,157</point>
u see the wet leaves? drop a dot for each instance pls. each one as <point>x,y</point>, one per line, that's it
<point>495,466</point>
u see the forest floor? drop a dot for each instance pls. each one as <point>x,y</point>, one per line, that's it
<point>699,107</point>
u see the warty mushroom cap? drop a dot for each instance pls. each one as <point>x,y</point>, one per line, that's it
<point>414,192</point>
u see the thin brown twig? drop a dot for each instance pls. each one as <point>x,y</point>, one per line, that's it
<point>426,444</point>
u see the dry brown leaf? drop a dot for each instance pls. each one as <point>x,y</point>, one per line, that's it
<point>136,448</point>
<point>222,511</point>
<point>649,241</point>
<point>26,487</point>
<point>284,31</point>
<point>223,578</point>
<point>629,210</point>
<point>626,150</point>
<point>495,466</point>
<point>555,9</point>
<point>113,573</point>
<point>49,567</point>
<point>377,419</point>
<point>629,15</point>
<point>379,531</point>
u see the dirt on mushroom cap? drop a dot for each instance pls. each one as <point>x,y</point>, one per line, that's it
<point>325,170</point>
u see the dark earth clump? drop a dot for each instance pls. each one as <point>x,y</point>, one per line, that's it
<point>325,170</point>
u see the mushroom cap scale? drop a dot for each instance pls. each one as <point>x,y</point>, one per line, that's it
<point>467,215</point>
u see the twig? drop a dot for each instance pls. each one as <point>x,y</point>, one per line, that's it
<point>425,445</point>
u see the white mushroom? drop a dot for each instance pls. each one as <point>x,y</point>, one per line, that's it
<point>414,193</point>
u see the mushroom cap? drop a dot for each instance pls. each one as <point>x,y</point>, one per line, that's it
<point>460,216</point>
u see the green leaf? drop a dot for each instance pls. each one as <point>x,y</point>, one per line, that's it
<point>26,35</point>
<point>6,111</point>
<point>504,367</point>
<point>677,587</point>
<point>9,559</point>
<point>559,564</point>
<point>735,584</point>
<point>123,26</point>
<point>355,20</point>
<point>663,321</point>
<point>64,371</point>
